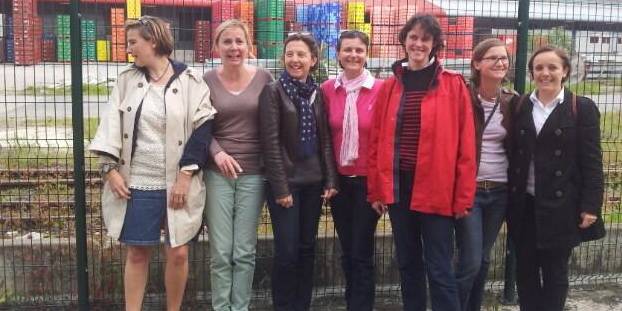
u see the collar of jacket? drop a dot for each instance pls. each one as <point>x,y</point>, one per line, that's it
<point>178,68</point>
<point>398,70</point>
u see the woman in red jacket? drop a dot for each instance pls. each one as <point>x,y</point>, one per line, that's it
<point>422,163</point>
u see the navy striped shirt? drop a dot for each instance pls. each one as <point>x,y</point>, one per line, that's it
<point>416,85</point>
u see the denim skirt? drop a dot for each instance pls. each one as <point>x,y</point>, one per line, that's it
<point>144,217</point>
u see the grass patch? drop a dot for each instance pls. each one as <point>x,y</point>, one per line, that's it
<point>584,88</point>
<point>87,89</point>
<point>40,157</point>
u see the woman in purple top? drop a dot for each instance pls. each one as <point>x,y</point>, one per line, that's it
<point>349,103</point>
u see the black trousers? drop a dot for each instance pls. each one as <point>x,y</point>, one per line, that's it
<point>542,274</point>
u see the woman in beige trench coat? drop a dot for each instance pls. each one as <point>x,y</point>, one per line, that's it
<point>152,145</point>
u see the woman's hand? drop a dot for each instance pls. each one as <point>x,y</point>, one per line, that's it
<point>466,213</point>
<point>379,207</point>
<point>227,164</point>
<point>329,193</point>
<point>179,193</point>
<point>286,201</point>
<point>117,184</point>
<point>587,220</point>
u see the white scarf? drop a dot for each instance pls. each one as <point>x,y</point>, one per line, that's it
<point>350,130</point>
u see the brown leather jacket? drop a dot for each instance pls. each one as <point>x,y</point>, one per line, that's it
<point>278,132</point>
<point>507,102</point>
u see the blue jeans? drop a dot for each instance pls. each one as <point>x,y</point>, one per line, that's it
<point>355,222</point>
<point>418,236</point>
<point>475,236</point>
<point>295,231</point>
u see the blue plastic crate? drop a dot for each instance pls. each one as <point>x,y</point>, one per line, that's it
<point>10,50</point>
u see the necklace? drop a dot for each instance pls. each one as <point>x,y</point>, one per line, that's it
<point>161,75</point>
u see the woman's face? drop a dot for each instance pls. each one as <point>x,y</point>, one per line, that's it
<point>418,46</point>
<point>232,46</point>
<point>494,65</point>
<point>548,72</point>
<point>298,59</point>
<point>142,50</point>
<point>352,55</point>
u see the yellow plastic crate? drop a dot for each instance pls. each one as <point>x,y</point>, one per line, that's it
<point>103,50</point>
<point>133,8</point>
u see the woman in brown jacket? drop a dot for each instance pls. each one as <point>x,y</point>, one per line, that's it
<point>300,169</point>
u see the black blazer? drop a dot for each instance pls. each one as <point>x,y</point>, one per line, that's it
<point>278,133</point>
<point>568,171</point>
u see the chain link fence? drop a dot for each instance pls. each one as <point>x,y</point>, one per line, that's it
<point>43,226</point>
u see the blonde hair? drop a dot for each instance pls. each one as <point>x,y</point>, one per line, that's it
<point>153,29</point>
<point>233,23</point>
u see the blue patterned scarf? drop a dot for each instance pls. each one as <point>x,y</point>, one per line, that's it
<point>300,94</point>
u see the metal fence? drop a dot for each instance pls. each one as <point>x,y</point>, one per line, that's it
<point>53,242</point>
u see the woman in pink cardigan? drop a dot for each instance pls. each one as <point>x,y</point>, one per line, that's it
<point>349,100</point>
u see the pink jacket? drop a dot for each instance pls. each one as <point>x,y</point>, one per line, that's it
<point>334,100</point>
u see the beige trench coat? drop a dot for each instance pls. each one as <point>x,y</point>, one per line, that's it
<point>187,107</point>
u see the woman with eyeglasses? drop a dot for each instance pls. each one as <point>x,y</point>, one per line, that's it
<point>556,178</point>
<point>422,164</point>
<point>151,145</point>
<point>299,167</point>
<point>235,185</point>
<point>349,103</point>
<point>492,110</point>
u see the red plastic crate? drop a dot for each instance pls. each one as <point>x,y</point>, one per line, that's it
<point>387,51</point>
<point>383,16</point>
<point>385,35</point>
<point>290,11</point>
<point>223,10</point>
<point>48,53</point>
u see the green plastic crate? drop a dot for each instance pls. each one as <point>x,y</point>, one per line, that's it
<point>270,30</point>
<point>270,49</point>
<point>269,9</point>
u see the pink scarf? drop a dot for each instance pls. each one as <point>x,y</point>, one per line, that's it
<point>350,131</point>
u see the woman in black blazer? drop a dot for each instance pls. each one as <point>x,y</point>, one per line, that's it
<point>556,179</point>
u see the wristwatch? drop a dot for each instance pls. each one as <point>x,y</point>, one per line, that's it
<point>107,167</point>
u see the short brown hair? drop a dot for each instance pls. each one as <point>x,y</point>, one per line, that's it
<point>430,25</point>
<point>308,39</point>
<point>153,29</point>
<point>232,23</point>
<point>561,53</point>
<point>478,55</point>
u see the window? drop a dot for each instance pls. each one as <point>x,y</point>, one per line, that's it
<point>593,39</point>
<point>606,40</point>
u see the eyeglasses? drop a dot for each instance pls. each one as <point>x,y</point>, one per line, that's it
<point>495,59</point>
<point>299,33</point>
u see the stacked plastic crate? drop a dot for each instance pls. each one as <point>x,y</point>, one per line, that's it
<point>117,47</point>
<point>202,40</point>
<point>270,16</point>
<point>134,11</point>
<point>49,47</point>
<point>89,36</point>
<point>3,36</point>
<point>459,35</point>
<point>63,41</point>
<point>28,32</point>
<point>356,18</point>
<point>10,39</point>
<point>385,29</point>
<point>290,17</point>
<point>323,20</point>
<point>221,11</point>
<point>245,11</point>
<point>102,50</point>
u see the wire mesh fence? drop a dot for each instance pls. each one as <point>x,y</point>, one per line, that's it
<point>37,208</point>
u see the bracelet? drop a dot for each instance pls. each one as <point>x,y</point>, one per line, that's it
<point>187,173</point>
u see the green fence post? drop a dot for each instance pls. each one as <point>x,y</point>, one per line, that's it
<point>78,156</point>
<point>520,73</point>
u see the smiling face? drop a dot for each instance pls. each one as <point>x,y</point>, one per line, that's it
<point>548,72</point>
<point>142,50</point>
<point>418,46</point>
<point>298,59</point>
<point>232,46</point>
<point>494,65</point>
<point>352,55</point>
